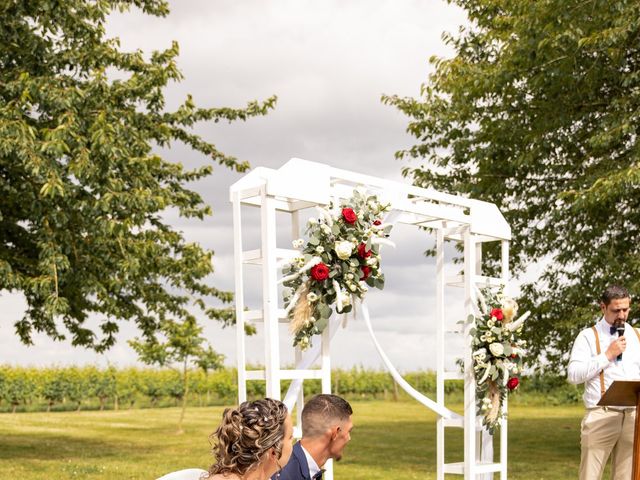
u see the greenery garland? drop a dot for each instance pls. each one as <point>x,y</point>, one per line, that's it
<point>338,262</point>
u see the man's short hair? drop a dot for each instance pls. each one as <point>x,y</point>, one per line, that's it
<point>322,412</point>
<point>614,292</point>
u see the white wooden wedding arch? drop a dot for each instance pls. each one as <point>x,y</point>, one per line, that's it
<point>299,185</point>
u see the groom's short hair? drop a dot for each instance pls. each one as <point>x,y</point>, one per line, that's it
<point>614,292</point>
<point>323,412</point>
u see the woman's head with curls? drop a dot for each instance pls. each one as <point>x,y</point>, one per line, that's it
<point>249,432</point>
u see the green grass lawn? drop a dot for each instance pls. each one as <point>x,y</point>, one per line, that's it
<point>391,440</point>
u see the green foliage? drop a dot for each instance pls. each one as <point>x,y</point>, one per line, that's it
<point>539,112</point>
<point>18,386</point>
<point>83,186</point>
<point>57,388</point>
<point>53,387</point>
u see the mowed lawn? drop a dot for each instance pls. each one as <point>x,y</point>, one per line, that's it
<point>391,440</point>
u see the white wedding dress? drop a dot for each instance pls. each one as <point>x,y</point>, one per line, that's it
<point>188,474</point>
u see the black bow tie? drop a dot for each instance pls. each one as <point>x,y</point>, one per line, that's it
<point>318,476</point>
<point>614,329</point>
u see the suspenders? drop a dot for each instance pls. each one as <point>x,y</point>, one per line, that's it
<point>595,332</point>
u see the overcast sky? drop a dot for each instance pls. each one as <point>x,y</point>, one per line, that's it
<point>328,62</point>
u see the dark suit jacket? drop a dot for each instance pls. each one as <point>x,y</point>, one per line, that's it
<point>297,468</point>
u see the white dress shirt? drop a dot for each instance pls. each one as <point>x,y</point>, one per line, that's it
<point>313,466</point>
<point>585,364</point>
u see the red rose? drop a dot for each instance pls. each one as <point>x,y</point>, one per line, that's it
<point>377,222</point>
<point>363,252</point>
<point>497,312</point>
<point>320,272</point>
<point>366,271</point>
<point>513,382</point>
<point>349,215</point>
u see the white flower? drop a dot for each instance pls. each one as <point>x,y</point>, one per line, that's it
<point>312,297</point>
<point>343,249</point>
<point>346,298</point>
<point>319,249</point>
<point>372,261</point>
<point>496,349</point>
<point>312,221</point>
<point>350,276</point>
<point>325,229</point>
<point>491,323</point>
<point>297,243</point>
<point>352,287</point>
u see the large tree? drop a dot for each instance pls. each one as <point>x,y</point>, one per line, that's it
<point>539,112</point>
<point>83,187</point>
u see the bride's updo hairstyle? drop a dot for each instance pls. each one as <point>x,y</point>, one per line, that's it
<point>246,434</point>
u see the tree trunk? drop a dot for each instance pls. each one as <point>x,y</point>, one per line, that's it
<point>185,385</point>
<point>115,402</point>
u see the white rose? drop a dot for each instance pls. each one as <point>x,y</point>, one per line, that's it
<point>343,249</point>
<point>496,349</point>
<point>319,249</point>
<point>509,309</point>
<point>297,243</point>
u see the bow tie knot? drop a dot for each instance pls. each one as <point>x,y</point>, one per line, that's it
<point>318,476</point>
<point>613,329</point>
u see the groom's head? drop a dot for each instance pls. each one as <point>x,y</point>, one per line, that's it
<point>327,419</point>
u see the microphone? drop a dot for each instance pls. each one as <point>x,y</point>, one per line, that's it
<point>620,329</point>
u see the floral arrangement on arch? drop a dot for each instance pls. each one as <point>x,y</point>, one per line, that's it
<point>497,354</point>
<point>339,261</point>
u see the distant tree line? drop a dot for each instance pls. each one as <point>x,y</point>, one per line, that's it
<point>76,388</point>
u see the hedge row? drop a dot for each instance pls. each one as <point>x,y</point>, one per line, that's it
<point>38,389</point>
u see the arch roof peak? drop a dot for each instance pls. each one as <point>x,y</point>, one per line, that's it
<point>300,184</point>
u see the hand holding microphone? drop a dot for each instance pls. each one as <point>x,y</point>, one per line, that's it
<point>619,345</point>
<point>620,329</point>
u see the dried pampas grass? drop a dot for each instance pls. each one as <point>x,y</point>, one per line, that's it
<point>494,396</point>
<point>302,310</point>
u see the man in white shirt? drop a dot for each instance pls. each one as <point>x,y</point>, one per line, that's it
<point>599,356</point>
<point>326,430</point>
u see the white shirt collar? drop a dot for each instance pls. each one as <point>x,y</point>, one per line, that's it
<point>604,326</point>
<point>313,466</point>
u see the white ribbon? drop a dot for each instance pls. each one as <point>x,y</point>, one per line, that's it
<point>427,402</point>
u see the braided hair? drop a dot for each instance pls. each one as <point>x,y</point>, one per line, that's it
<point>246,434</point>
